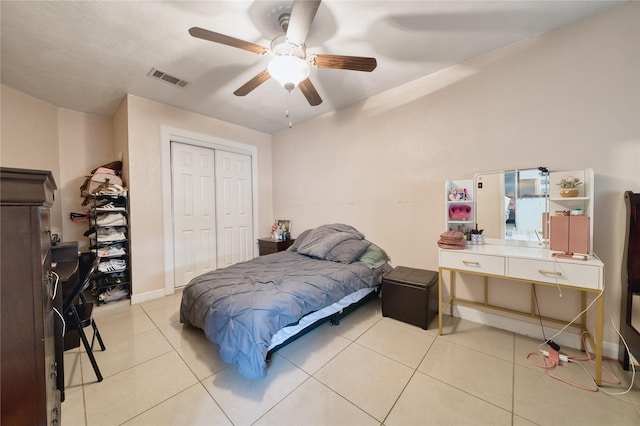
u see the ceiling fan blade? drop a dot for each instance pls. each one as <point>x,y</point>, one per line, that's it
<point>302,14</point>
<point>253,83</point>
<point>354,63</point>
<point>310,92</point>
<point>227,40</point>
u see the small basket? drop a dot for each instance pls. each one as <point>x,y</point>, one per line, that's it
<point>461,212</point>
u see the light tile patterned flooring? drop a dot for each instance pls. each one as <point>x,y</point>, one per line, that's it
<point>369,370</point>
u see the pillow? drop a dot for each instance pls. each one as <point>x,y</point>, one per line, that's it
<point>299,240</point>
<point>347,251</point>
<point>374,257</point>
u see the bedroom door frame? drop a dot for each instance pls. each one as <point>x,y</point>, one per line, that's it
<point>169,134</point>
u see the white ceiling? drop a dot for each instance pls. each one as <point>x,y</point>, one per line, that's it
<point>86,55</point>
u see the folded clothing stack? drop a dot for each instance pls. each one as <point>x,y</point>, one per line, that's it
<point>452,240</point>
<point>104,181</point>
<point>106,235</point>
<point>111,219</point>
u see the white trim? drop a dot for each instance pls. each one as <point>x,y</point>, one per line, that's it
<point>528,329</point>
<point>145,297</point>
<point>168,134</point>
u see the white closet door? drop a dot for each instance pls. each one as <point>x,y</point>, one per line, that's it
<point>234,208</point>
<point>194,211</point>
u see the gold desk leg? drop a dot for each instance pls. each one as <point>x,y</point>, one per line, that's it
<point>534,310</point>
<point>486,290</point>
<point>452,287</point>
<point>583,320</point>
<point>599,320</point>
<point>440,301</point>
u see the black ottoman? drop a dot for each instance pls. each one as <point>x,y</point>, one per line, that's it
<point>410,295</point>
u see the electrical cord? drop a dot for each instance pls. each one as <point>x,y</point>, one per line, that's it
<point>55,292</point>
<point>551,358</point>
<point>535,296</point>
<point>633,367</point>
<point>55,285</point>
<point>554,360</point>
<point>555,270</point>
<point>586,335</point>
<point>553,364</point>
<point>577,360</point>
<point>600,294</point>
<point>64,323</point>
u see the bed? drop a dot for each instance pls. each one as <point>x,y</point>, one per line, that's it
<point>252,308</point>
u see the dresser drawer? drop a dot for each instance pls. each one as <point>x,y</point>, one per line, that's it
<point>268,245</point>
<point>472,262</point>
<point>565,273</point>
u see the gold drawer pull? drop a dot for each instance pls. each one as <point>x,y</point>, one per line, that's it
<point>542,271</point>
<point>470,263</point>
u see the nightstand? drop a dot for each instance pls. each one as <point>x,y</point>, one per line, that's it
<point>410,295</point>
<point>268,246</point>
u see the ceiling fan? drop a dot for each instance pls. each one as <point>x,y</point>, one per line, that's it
<point>290,64</point>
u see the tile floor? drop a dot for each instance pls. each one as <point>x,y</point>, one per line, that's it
<point>369,370</point>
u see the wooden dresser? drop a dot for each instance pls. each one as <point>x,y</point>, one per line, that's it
<point>29,395</point>
<point>269,245</point>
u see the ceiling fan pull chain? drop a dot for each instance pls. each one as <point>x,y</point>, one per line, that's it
<point>286,113</point>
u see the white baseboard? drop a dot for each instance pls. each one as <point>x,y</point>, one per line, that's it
<point>524,328</point>
<point>145,297</point>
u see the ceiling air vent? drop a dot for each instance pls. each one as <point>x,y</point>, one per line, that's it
<point>161,75</point>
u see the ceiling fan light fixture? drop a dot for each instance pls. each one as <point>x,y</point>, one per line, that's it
<point>288,70</point>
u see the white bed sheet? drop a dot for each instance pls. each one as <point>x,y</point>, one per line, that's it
<point>307,320</point>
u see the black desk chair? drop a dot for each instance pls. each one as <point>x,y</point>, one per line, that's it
<point>77,315</point>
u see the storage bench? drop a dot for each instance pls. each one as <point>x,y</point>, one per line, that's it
<point>410,295</point>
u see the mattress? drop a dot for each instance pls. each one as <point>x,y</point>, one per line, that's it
<point>250,307</point>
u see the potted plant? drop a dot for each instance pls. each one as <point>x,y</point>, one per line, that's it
<point>569,186</point>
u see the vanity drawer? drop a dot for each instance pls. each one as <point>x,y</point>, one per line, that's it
<point>565,273</point>
<point>472,262</point>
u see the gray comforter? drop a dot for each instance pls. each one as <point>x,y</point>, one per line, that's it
<point>242,306</point>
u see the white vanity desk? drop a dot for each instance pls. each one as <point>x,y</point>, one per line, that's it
<point>521,262</point>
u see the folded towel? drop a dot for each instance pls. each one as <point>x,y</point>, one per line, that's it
<point>452,240</point>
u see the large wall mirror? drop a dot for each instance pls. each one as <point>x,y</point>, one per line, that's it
<point>509,204</point>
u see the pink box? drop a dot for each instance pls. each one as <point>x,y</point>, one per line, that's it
<point>569,234</point>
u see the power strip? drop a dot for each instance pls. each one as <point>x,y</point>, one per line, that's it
<point>562,357</point>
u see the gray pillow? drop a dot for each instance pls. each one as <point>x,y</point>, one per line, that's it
<point>347,251</point>
<point>299,240</point>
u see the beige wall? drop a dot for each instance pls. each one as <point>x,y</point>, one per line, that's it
<point>120,128</point>
<point>38,135</point>
<point>566,100</point>
<point>29,139</point>
<point>86,142</point>
<point>145,119</point>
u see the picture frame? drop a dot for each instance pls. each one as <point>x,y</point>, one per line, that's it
<point>286,225</point>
